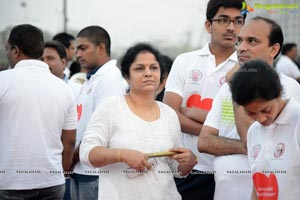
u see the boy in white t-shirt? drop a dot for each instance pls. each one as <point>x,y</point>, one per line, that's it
<point>273,141</point>
<point>193,82</point>
<point>104,80</point>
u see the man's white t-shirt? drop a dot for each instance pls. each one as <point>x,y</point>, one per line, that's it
<point>114,126</point>
<point>233,171</point>
<point>35,106</point>
<point>286,66</point>
<point>106,82</point>
<point>195,77</point>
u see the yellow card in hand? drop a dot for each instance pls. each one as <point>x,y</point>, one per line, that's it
<point>161,154</point>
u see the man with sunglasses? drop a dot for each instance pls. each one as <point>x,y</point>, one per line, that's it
<point>194,81</point>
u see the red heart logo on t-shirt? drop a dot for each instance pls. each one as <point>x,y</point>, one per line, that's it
<point>266,187</point>
<point>79,111</point>
<point>195,101</point>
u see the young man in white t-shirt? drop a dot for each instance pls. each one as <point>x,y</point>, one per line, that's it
<point>104,80</point>
<point>193,82</point>
<point>259,38</point>
<point>38,122</point>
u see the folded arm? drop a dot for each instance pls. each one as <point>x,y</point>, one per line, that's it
<point>188,125</point>
<point>210,142</point>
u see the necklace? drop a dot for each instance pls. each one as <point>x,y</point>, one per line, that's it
<point>149,115</point>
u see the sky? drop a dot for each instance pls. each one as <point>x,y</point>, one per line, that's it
<point>127,21</point>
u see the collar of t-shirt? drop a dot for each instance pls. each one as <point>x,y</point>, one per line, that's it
<point>65,78</point>
<point>285,116</point>
<point>92,72</point>
<point>206,51</point>
<point>33,63</point>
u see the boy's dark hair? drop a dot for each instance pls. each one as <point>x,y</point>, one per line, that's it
<point>214,5</point>
<point>96,35</point>
<point>64,38</point>
<point>255,80</point>
<point>29,39</point>
<point>59,47</point>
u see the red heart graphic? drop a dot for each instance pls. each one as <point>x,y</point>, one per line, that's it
<point>266,187</point>
<point>195,101</point>
<point>79,111</point>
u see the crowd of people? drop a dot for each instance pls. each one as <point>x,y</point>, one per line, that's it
<point>221,122</point>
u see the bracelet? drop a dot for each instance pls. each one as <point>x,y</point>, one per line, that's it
<point>119,153</point>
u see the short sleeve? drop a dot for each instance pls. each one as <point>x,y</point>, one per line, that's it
<point>71,116</point>
<point>111,84</point>
<point>176,78</point>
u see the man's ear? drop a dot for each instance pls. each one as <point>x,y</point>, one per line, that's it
<point>274,49</point>
<point>208,26</point>
<point>16,52</point>
<point>64,62</point>
<point>102,47</point>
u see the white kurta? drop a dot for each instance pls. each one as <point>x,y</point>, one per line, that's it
<point>114,125</point>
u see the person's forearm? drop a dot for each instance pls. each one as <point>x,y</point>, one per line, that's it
<point>242,121</point>
<point>68,140</point>
<point>189,126</point>
<point>75,158</point>
<point>67,158</point>
<point>218,146</point>
<point>108,156</point>
<point>195,114</point>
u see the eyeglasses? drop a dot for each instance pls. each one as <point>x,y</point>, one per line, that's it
<point>223,21</point>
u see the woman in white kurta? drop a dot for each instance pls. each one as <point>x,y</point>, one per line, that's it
<point>273,141</point>
<point>123,129</point>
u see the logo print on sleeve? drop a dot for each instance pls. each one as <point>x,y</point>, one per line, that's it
<point>195,76</point>
<point>279,150</point>
<point>255,151</point>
